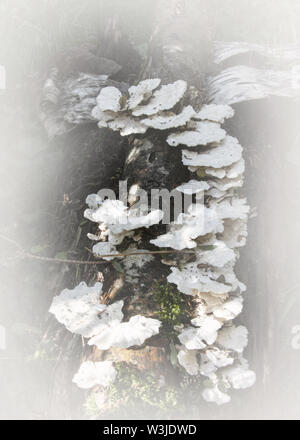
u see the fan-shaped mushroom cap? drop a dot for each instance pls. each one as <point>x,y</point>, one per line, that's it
<point>233,338</point>
<point>164,98</point>
<point>205,333</point>
<point>226,153</point>
<point>126,334</point>
<point>142,91</point>
<point>230,309</point>
<point>193,187</point>
<point>215,113</point>
<point>188,360</point>
<point>109,99</point>
<point>78,308</point>
<point>213,394</point>
<point>95,373</point>
<point>202,133</point>
<point>198,221</point>
<point>167,120</point>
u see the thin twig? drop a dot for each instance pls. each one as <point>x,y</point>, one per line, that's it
<point>25,254</point>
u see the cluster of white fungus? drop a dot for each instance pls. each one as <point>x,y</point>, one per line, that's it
<point>145,106</point>
<point>91,374</point>
<point>82,313</point>
<point>211,345</point>
<point>116,221</point>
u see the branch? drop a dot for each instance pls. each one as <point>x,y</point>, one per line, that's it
<point>25,254</point>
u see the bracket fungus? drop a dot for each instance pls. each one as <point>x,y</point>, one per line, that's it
<point>201,133</point>
<point>164,98</point>
<point>219,256</point>
<point>167,120</point>
<point>215,113</point>
<point>78,308</point>
<point>193,187</point>
<point>224,154</point>
<point>126,334</point>
<point>239,376</point>
<point>233,338</point>
<point>230,309</point>
<point>215,228</point>
<point>141,92</point>
<point>118,221</point>
<point>191,281</point>
<point>126,125</point>
<point>213,394</point>
<point>80,311</point>
<point>126,114</point>
<point>109,99</point>
<point>188,360</point>
<point>91,374</point>
<point>198,338</point>
<point>198,221</point>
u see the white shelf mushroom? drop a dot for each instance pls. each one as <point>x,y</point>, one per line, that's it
<point>198,221</point>
<point>213,394</point>
<point>220,173</point>
<point>239,377</point>
<point>93,201</point>
<point>232,208</point>
<point>236,170</point>
<point>127,125</point>
<point>91,374</point>
<point>205,333</point>
<point>235,233</point>
<point>201,133</point>
<point>219,358</point>
<point>167,120</point>
<point>126,334</point>
<point>233,338</point>
<point>193,187</point>
<point>215,113</point>
<point>188,360</point>
<point>118,221</point>
<point>141,92</point>
<point>226,184</point>
<point>109,99</point>
<point>164,98</point>
<point>224,154</point>
<point>219,256</point>
<point>212,359</point>
<point>78,308</point>
<point>230,309</point>
<point>191,281</point>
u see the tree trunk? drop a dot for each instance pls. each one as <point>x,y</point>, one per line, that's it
<point>174,53</point>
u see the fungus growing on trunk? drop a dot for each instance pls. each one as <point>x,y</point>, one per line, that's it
<point>215,229</point>
<point>95,373</point>
<point>126,334</point>
<point>201,133</point>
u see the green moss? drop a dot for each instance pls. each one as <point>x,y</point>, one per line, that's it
<point>140,389</point>
<point>172,305</point>
<point>90,406</point>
